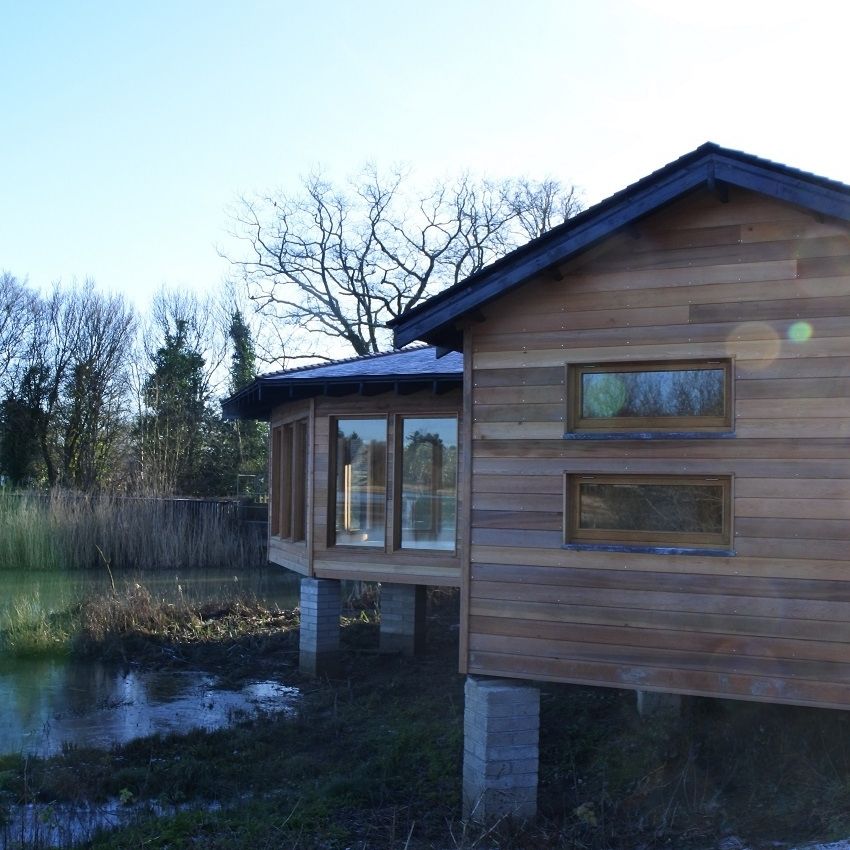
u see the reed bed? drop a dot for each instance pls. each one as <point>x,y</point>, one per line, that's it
<point>63,530</point>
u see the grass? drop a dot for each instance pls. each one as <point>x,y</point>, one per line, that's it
<point>62,530</point>
<point>373,759</point>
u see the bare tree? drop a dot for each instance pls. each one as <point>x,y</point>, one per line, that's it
<point>333,267</point>
<point>18,313</point>
<point>95,398</point>
<point>67,389</point>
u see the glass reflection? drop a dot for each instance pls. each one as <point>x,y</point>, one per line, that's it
<point>361,475</point>
<point>656,393</point>
<point>666,508</point>
<point>429,483</point>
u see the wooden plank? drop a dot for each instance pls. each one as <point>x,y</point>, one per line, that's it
<point>560,558</point>
<point>769,231</point>
<point>539,299</point>
<point>518,485</point>
<point>512,537</point>
<point>826,509</point>
<point>775,429</point>
<point>788,609</point>
<point>789,388</point>
<point>285,555</point>
<point>760,689</point>
<point>680,657</point>
<point>790,408</point>
<point>743,349</point>
<point>779,568</point>
<point>802,468</point>
<point>421,575</point>
<point>789,368</point>
<point>765,311</point>
<point>665,621</point>
<point>824,267</point>
<point>723,645</point>
<point>731,333</point>
<point>761,547</point>
<point>798,488</point>
<point>531,376</point>
<point>663,581</point>
<point>575,320</point>
<point>618,451</point>
<point>741,273</point>
<point>507,499</point>
<point>711,255</point>
<point>782,528</point>
<point>519,519</point>
<point>652,238</point>
<point>520,413</point>
<point>523,430</point>
<point>519,395</point>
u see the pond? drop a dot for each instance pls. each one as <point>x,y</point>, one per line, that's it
<point>48,703</point>
<point>56,589</point>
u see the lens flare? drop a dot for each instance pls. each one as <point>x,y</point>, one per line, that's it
<point>800,332</point>
<point>755,344</point>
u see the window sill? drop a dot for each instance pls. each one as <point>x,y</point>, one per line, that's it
<point>648,550</point>
<point>650,435</point>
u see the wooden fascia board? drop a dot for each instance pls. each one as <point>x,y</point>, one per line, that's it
<point>783,187</point>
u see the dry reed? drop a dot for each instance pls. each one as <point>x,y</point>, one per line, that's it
<point>63,530</point>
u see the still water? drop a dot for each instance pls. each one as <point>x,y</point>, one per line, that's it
<point>46,704</point>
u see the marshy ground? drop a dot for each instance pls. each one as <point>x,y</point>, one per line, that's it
<point>373,759</point>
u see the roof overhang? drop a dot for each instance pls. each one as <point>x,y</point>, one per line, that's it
<point>437,320</point>
<point>258,399</point>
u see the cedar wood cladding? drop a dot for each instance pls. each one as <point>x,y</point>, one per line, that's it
<point>313,556</point>
<point>702,278</point>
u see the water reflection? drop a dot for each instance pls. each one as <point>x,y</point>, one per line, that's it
<point>47,704</point>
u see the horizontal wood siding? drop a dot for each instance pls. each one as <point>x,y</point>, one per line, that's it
<point>763,283</point>
<point>402,567</point>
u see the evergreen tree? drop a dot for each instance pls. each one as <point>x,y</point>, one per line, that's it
<point>172,428</point>
<point>249,436</point>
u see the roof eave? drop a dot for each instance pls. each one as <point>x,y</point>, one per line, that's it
<point>436,320</point>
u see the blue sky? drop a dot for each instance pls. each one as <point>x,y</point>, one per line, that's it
<point>128,129</point>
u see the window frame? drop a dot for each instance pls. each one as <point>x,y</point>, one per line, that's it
<point>682,542</point>
<point>289,463</point>
<point>398,482</point>
<point>667,426</point>
<point>333,447</point>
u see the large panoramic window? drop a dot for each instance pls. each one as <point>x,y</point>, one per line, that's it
<point>687,395</point>
<point>428,503</point>
<point>360,475</point>
<point>677,511</point>
<point>289,481</point>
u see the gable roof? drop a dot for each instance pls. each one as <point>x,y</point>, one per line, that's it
<point>709,165</point>
<point>402,372</point>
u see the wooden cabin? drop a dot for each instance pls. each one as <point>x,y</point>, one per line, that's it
<point>363,483</point>
<point>659,427</point>
<point>657,408</point>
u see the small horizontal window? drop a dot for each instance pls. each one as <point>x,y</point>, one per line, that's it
<point>686,395</point>
<point>674,511</point>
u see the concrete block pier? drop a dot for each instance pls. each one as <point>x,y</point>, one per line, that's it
<point>501,747</point>
<point>319,637</point>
